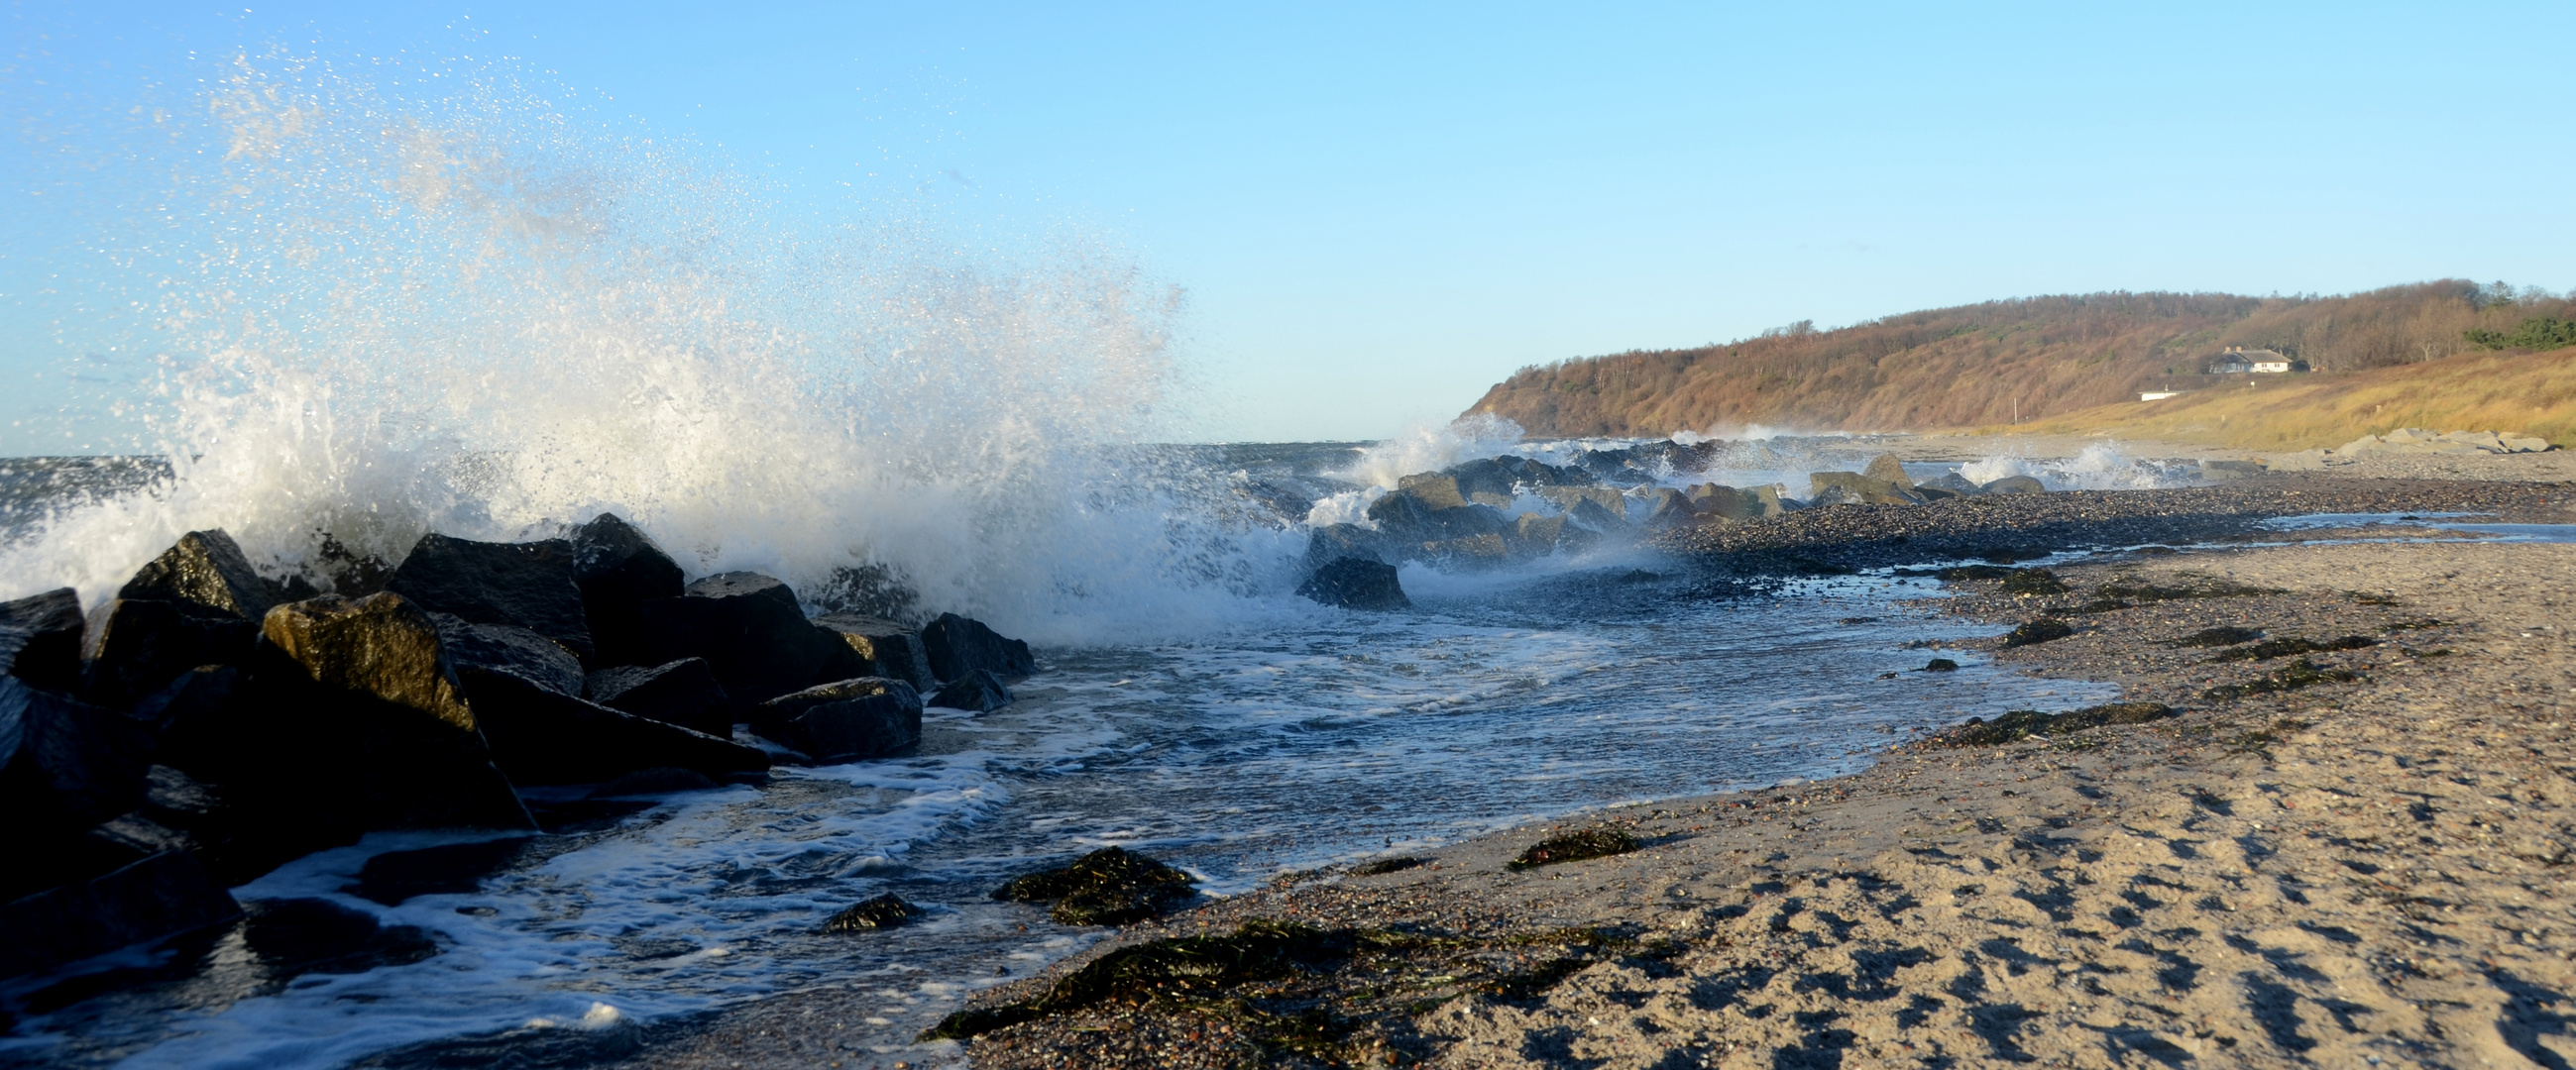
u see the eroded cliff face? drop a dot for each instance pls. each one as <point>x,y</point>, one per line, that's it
<point>1994,363</point>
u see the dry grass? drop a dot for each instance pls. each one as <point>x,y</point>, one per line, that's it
<point>2533,393</point>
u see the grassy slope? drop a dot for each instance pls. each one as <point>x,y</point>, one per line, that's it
<point>2534,393</point>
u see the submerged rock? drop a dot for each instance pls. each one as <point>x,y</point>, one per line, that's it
<point>1110,886</point>
<point>164,895</point>
<point>959,645</point>
<point>205,569</point>
<point>529,584</point>
<point>980,691</point>
<point>868,915</point>
<point>40,639</point>
<point>617,568</point>
<point>1356,583</point>
<point>870,717</point>
<point>683,692</point>
<point>883,648</point>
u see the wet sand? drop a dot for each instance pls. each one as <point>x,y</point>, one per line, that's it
<point>2347,857</point>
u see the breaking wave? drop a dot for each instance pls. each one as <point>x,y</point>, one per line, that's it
<point>381,313</point>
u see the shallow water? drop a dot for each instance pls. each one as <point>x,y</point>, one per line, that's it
<point>1280,746</point>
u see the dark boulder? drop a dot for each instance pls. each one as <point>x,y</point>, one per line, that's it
<point>1941,665</point>
<point>1536,536</point>
<point>959,645</point>
<point>359,720</point>
<point>1669,508</point>
<point>1356,583</point>
<point>883,648</point>
<point>1716,503</point>
<point>1440,490</point>
<point>752,633</point>
<point>539,736</point>
<point>205,569</point>
<point>447,869</point>
<point>66,765</point>
<point>869,590</point>
<point>1408,516</point>
<point>287,938</point>
<point>1332,541</point>
<point>879,912</point>
<point>683,692</point>
<point>529,584</point>
<point>980,691</point>
<point>1886,467</point>
<point>158,897</point>
<point>618,569</point>
<point>845,721</point>
<point>1592,515</point>
<point>2041,630</point>
<point>136,646</point>
<point>1609,499</point>
<point>1110,886</point>
<point>509,648</point>
<point>40,639</point>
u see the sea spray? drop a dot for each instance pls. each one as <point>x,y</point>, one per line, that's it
<point>386,310</point>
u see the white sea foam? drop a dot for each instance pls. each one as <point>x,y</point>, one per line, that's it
<point>2099,466</point>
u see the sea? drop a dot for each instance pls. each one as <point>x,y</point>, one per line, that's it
<point>348,311</point>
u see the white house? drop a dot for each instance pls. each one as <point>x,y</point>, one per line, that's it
<point>2238,360</point>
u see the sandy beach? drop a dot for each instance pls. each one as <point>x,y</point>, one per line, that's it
<point>2348,857</point>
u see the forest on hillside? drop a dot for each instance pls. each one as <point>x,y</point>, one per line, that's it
<point>2007,361</point>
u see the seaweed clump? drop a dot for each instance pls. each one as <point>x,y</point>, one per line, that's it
<point>2286,646</point>
<point>2042,630</point>
<point>1597,842</point>
<point>1385,865</point>
<point>2206,587</point>
<point>2220,636</point>
<point>1110,886</point>
<point>1181,967</point>
<point>2291,677</point>
<point>2019,724</point>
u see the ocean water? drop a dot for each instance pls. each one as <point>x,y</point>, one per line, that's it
<point>393,309</point>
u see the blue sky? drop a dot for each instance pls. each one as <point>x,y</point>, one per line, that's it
<point>1379,211</point>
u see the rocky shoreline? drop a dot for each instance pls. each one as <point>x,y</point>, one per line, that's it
<point>2338,834</point>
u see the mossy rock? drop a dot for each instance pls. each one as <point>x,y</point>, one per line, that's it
<point>868,915</point>
<point>2018,724</point>
<point>1594,842</point>
<point>1110,886</point>
<point>2033,581</point>
<point>2042,630</point>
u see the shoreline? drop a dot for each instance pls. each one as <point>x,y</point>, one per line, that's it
<point>1754,926</point>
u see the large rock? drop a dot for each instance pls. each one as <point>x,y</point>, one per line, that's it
<point>1854,488</point>
<point>1721,504</point>
<point>1600,519</point>
<point>2013,485</point>
<point>158,897</point>
<point>752,633</point>
<point>1668,508</point>
<point>959,645</point>
<point>1537,536</point>
<point>1407,516</point>
<point>136,646</point>
<point>65,765</point>
<point>1356,583</point>
<point>883,647</point>
<point>540,736</point>
<point>205,569</point>
<point>1333,541</point>
<point>40,639</point>
<point>1565,498</point>
<point>683,692</point>
<point>846,721</point>
<point>529,584</point>
<point>618,569</point>
<point>1440,490</point>
<point>360,718</point>
<point>980,691</point>
<point>509,648</point>
<point>1885,466</point>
